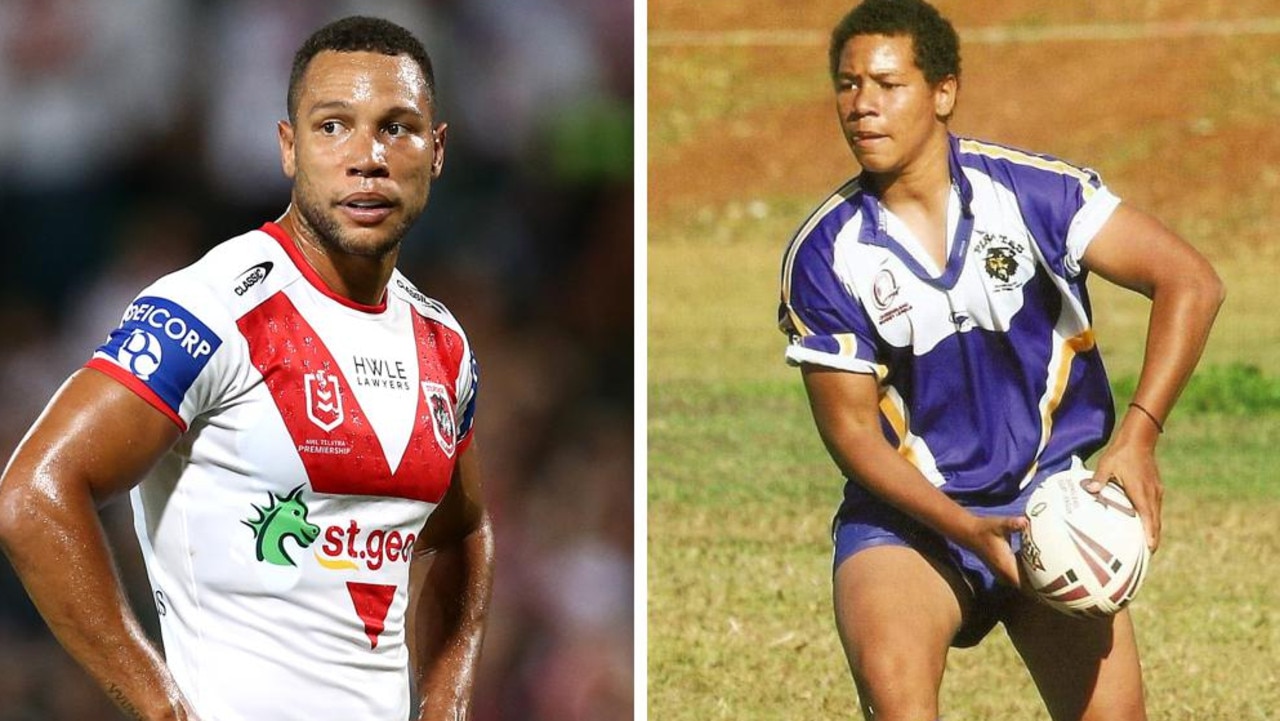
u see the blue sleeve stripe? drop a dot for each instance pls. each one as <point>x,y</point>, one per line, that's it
<point>163,345</point>
<point>469,405</point>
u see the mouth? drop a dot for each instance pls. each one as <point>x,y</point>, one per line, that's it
<point>865,138</point>
<point>367,208</point>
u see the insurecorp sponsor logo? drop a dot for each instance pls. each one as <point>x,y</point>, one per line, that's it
<point>174,322</point>
<point>253,276</point>
<point>162,344</point>
<point>141,354</point>
<point>352,546</point>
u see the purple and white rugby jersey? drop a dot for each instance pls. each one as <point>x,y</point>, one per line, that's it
<point>988,368</point>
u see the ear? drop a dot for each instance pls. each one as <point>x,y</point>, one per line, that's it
<point>284,134</point>
<point>944,96</point>
<point>438,136</point>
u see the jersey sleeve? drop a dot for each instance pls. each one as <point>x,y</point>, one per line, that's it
<point>823,320</point>
<point>1086,223</point>
<point>467,387</point>
<point>1064,207</point>
<point>163,348</point>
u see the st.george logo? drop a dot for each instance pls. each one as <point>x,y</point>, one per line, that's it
<point>283,518</point>
<point>324,400</point>
<point>141,354</point>
<point>442,422</point>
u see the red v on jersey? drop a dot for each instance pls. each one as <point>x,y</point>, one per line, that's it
<point>330,431</point>
<point>371,601</point>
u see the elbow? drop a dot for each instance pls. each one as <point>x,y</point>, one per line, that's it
<point>1210,290</point>
<point>27,507</point>
<point>13,512</point>
<point>1218,291</point>
<point>1199,287</point>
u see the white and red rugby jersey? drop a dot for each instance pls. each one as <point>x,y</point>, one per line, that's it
<point>319,435</point>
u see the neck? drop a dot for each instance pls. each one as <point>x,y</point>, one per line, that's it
<point>926,181</point>
<point>359,278</point>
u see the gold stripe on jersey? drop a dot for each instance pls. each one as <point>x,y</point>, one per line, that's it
<point>1060,371</point>
<point>897,420</point>
<point>848,344</point>
<point>1034,161</point>
<point>793,248</point>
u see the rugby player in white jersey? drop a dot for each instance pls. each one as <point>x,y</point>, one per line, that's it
<point>936,305</point>
<point>294,420</point>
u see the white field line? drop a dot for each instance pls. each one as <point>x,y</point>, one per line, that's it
<point>996,35</point>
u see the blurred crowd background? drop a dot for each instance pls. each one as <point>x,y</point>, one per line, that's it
<point>136,134</point>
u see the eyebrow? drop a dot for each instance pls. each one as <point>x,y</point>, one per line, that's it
<point>344,105</point>
<point>877,75</point>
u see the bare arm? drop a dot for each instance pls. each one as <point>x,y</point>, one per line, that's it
<point>453,579</point>
<point>846,410</point>
<point>95,440</point>
<point>1135,251</point>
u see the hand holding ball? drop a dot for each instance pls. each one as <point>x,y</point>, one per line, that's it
<point>1083,554</point>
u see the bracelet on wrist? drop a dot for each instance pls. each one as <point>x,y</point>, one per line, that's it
<point>1159,426</point>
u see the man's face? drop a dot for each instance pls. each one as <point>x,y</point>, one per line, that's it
<point>363,151</point>
<point>888,111</point>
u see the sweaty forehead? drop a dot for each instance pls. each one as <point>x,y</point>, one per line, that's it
<point>363,78</point>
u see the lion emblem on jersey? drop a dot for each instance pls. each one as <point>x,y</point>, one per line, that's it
<point>1000,263</point>
<point>441,410</point>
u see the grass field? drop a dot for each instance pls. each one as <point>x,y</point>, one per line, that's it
<point>742,144</point>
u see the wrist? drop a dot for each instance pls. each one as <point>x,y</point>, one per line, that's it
<point>1137,428</point>
<point>960,526</point>
<point>1143,411</point>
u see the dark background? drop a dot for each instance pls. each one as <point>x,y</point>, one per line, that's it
<point>136,134</point>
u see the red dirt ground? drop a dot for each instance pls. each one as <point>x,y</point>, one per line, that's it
<point>1159,101</point>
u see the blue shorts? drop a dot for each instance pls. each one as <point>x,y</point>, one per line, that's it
<point>865,521</point>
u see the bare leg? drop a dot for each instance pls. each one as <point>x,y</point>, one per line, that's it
<point>1085,669</point>
<point>897,612</point>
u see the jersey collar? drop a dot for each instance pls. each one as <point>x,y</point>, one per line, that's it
<point>291,249</point>
<point>875,233</point>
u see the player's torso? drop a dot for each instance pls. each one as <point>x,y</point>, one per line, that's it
<point>994,280</point>
<point>279,530</point>
<point>980,354</point>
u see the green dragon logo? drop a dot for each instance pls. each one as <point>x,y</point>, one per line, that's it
<point>285,517</point>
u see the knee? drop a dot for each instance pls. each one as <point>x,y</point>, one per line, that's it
<point>896,687</point>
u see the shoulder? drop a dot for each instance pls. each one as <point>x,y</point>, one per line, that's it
<point>428,309</point>
<point>1023,169</point>
<point>816,236</point>
<point>232,277</point>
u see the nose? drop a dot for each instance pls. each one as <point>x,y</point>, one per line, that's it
<point>367,157</point>
<point>865,100</point>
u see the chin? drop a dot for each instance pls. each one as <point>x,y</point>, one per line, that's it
<point>874,165</point>
<point>369,242</point>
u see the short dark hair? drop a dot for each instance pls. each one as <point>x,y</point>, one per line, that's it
<point>935,43</point>
<point>358,34</point>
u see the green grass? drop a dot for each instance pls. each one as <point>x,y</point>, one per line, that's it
<point>740,495</point>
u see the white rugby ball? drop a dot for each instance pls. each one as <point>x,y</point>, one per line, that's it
<point>1084,554</point>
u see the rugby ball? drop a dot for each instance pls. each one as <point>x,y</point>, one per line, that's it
<point>1084,554</point>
